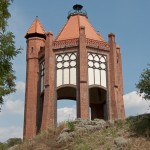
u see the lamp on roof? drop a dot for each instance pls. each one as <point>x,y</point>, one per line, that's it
<point>77,10</point>
<point>77,7</point>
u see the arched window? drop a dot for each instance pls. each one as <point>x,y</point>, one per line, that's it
<point>66,68</point>
<point>97,67</point>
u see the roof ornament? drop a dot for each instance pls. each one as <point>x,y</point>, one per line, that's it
<point>77,10</point>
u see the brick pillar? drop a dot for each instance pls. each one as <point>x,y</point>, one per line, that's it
<point>32,77</point>
<point>49,107</point>
<point>120,84</point>
<point>112,79</point>
<point>83,94</point>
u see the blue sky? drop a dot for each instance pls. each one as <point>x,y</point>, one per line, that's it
<point>128,20</point>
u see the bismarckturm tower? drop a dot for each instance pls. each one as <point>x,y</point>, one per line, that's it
<point>78,64</point>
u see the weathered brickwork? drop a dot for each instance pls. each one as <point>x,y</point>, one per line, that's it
<point>105,102</point>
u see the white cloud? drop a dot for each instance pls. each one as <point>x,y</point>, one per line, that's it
<point>14,103</point>
<point>135,104</point>
<point>10,132</point>
<point>13,107</point>
<point>11,116</point>
<point>66,113</point>
<point>20,86</point>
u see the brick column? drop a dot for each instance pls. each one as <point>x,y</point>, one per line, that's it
<point>120,85</point>
<point>83,94</point>
<point>49,107</point>
<point>31,93</point>
<point>113,80</point>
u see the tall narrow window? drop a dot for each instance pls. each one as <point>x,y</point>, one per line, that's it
<point>66,68</point>
<point>97,68</point>
<point>42,74</point>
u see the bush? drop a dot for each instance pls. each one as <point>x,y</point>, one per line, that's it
<point>71,126</point>
<point>61,126</point>
<point>13,141</point>
<point>140,125</point>
<point>3,146</point>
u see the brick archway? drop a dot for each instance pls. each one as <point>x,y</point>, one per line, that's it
<point>66,92</point>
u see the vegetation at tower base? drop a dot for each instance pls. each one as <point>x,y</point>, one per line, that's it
<point>143,85</point>
<point>7,52</point>
<point>10,142</point>
<point>132,133</point>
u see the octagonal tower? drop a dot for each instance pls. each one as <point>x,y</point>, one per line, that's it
<point>78,64</point>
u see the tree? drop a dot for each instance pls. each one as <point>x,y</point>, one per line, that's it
<point>10,143</point>
<point>143,85</point>
<point>8,52</point>
<point>13,141</point>
<point>3,146</point>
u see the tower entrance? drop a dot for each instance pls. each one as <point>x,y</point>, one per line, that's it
<point>98,101</point>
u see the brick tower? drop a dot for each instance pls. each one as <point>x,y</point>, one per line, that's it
<point>78,64</point>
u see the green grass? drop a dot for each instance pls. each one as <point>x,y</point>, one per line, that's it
<point>71,126</point>
<point>134,129</point>
<point>83,146</point>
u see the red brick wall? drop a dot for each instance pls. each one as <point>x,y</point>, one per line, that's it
<point>115,106</point>
<point>49,110</point>
<point>32,77</point>
<point>83,95</point>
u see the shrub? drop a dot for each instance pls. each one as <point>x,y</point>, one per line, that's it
<point>71,126</point>
<point>140,125</point>
<point>61,126</point>
<point>3,146</point>
<point>13,141</point>
<point>120,123</point>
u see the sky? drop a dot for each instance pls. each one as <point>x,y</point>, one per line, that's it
<point>128,20</point>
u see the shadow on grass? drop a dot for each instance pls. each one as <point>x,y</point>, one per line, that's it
<point>140,125</point>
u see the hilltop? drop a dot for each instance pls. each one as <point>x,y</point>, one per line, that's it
<point>132,133</point>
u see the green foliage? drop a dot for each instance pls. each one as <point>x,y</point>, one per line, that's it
<point>4,13</point>
<point>13,141</point>
<point>113,131</point>
<point>8,52</point>
<point>10,142</point>
<point>143,85</point>
<point>120,123</point>
<point>140,125</point>
<point>3,146</point>
<point>71,125</point>
<point>83,147</point>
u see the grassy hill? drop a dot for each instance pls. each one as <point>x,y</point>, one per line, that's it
<point>129,134</point>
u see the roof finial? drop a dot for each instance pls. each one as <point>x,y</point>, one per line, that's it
<point>77,7</point>
<point>77,10</point>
